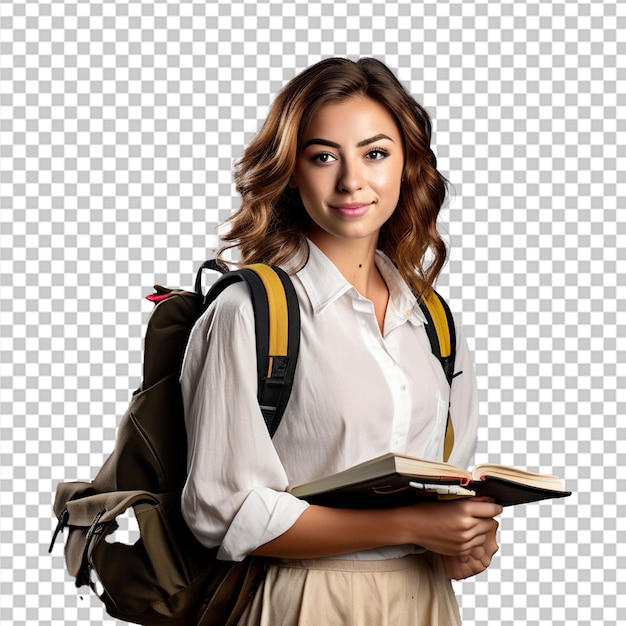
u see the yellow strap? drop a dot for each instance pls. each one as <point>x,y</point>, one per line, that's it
<point>448,442</point>
<point>278,314</point>
<point>440,321</point>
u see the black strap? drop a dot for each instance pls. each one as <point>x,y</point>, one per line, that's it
<point>273,392</point>
<point>210,264</point>
<point>447,362</point>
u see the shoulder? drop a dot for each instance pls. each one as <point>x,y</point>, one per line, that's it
<point>225,329</point>
<point>234,299</point>
<point>230,313</point>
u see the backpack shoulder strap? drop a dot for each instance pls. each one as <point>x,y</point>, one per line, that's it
<point>277,330</point>
<point>440,331</point>
<point>442,337</point>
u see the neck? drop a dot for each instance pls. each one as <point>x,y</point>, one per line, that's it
<point>355,259</point>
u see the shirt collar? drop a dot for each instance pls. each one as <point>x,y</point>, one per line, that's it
<point>324,284</point>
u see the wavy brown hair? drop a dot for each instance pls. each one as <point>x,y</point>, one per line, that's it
<point>271,224</point>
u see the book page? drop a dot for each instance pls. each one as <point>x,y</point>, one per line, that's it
<point>532,479</point>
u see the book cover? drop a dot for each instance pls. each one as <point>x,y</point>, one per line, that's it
<point>398,480</point>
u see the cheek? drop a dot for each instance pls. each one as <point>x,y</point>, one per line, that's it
<point>306,192</point>
<point>307,178</point>
<point>390,177</point>
<point>389,184</point>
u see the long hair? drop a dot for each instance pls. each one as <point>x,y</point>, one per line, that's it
<point>271,224</point>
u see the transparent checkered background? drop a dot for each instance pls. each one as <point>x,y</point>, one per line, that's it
<point>119,123</point>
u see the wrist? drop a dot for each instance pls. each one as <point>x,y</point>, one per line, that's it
<point>405,525</point>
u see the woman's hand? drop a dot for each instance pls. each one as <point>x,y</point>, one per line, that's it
<point>478,560</point>
<point>463,532</point>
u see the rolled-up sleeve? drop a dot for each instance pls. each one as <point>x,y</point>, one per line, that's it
<point>235,495</point>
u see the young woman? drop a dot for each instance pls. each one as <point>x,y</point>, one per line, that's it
<point>340,187</point>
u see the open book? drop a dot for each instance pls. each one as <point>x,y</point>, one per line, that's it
<point>395,480</point>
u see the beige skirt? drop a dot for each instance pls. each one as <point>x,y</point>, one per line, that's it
<point>411,591</point>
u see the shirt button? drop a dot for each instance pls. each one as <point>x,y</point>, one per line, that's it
<point>402,387</point>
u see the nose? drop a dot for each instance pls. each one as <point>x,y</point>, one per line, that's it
<point>350,177</point>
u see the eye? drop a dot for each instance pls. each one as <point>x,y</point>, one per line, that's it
<point>323,157</point>
<point>376,154</point>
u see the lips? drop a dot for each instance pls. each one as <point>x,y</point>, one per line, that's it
<point>352,209</point>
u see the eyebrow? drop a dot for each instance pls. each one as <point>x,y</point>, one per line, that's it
<point>332,144</point>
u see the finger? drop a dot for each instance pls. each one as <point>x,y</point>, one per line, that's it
<point>474,537</point>
<point>491,547</point>
<point>479,508</point>
<point>484,562</point>
<point>490,509</point>
<point>475,544</point>
<point>485,552</point>
<point>481,534</point>
<point>488,555</point>
<point>482,527</point>
<point>482,556</point>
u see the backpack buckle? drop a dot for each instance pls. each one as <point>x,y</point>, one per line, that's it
<point>277,371</point>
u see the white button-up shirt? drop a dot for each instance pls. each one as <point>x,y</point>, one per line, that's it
<point>357,394</point>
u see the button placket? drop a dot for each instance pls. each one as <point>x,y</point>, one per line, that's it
<point>382,351</point>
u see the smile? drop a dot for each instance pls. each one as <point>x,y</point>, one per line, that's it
<point>353,209</point>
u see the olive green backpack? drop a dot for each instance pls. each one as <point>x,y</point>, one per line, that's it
<point>167,576</point>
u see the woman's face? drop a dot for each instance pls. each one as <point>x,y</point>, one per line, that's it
<point>349,169</point>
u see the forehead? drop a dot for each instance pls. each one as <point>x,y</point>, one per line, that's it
<point>355,118</point>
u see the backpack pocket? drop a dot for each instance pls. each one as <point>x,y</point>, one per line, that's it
<point>166,576</point>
